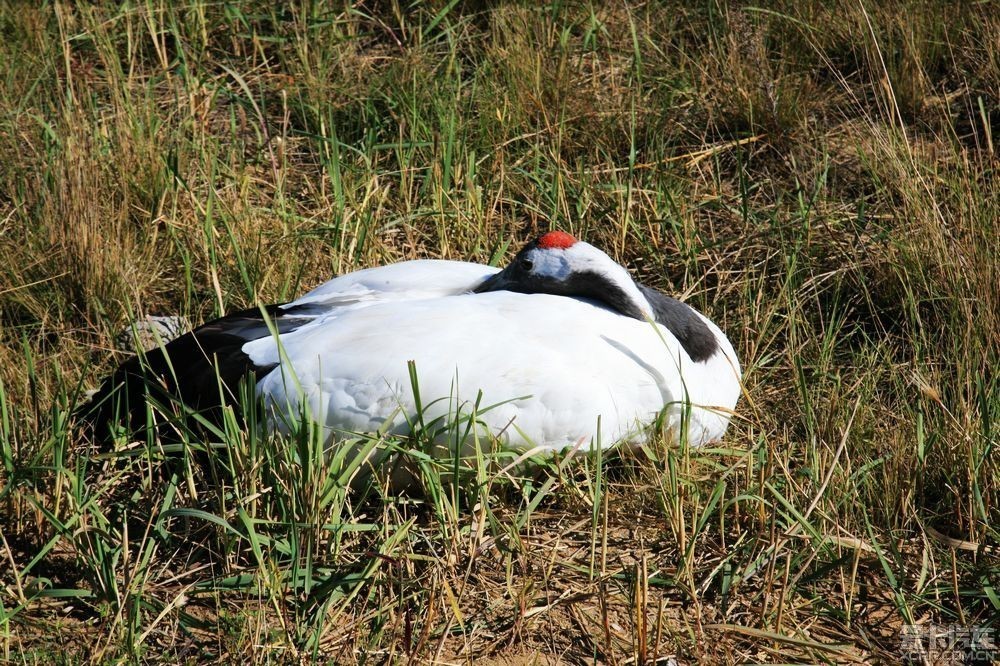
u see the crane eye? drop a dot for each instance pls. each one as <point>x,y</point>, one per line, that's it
<point>527,264</point>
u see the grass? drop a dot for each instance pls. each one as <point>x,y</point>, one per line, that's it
<point>818,177</point>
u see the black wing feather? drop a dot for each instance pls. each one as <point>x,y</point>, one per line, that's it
<point>201,369</point>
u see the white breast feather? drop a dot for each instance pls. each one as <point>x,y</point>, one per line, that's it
<point>351,366</point>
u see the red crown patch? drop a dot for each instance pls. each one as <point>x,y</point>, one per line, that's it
<point>556,240</point>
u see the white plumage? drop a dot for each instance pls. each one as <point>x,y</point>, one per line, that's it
<point>544,366</point>
<point>560,362</point>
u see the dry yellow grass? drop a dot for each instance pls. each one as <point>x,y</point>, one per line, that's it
<point>819,177</point>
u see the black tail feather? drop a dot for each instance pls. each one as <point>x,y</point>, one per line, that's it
<point>201,370</point>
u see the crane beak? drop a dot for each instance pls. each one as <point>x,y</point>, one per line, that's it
<point>495,282</point>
